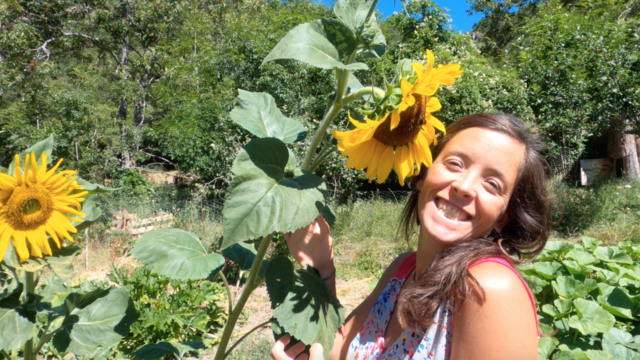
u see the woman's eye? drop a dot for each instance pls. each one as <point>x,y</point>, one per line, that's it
<point>454,164</point>
<point>494,185</point>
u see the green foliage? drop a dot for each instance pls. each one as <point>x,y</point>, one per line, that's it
<point>259,114</point>
<point>170,310</point>
<point>587,293</point>
<point>303,304</point>
<point>176,254</point>
<point>159,350</point>
<point>262,199</point>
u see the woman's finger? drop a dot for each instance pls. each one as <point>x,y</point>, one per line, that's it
<point>277,351</point>
<point>316,352</point>
<point>295,350</point>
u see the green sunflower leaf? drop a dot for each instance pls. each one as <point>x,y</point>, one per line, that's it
<point>94,188</point>
<point>280,280</point>
<point>15,329</point>
<point>309,43</point>
<point>259,114</point>
<point>310,312</point>
<point>261,200</point>
<point>91,210</point>
<point>176,254</point>
<point>546,345</point>
<point>61,263</point>
<point>244,254</point>
<point>353,13</point>
<point>591,318</point>
<point>44,146</point>
<point>96,321</point>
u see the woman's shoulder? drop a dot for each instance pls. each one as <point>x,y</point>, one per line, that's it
<point>499,308</point>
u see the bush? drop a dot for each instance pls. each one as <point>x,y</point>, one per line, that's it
<point>170,310</point>
<point>587,295</point>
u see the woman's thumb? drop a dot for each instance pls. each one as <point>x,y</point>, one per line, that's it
<point>315,353</point>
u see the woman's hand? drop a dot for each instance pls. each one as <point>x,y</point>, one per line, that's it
<point>295,351</point>
<point>313,245</point>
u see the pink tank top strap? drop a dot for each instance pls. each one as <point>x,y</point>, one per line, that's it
<point>524,283</point>
<point>406,267</point>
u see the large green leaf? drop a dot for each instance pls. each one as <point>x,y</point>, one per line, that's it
<point>546,345</point>
<point>616,301</point>
<point>15,329</point>
<point>101,322</point>
<point>159,350</point>
<point>44,146</point>
<point>575,354</point>
<point>244,254</point>
<point>559,247</point>
<point>602,355</point>
<point>91,210</point>
<point>535,283</point>
<point>95,188</point>
<point>280,280</point>
<point>590,243</point>
<point>309,43</point>
<point>61,261</point>
<point>548,269</point>
<point>176,254</point>
<point>310,312</point>
<point>612,254</point>
<point>341,36</point>
<point>591,318</point>
<point>581,257</point>
<point>353,13</point>
<point>259,114</point>
<point>619,344</point>
<point>569,287</point>
<point>261,200</point>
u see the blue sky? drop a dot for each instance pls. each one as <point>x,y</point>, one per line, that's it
<point>457,10</point>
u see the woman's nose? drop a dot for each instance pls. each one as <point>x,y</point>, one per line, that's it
<point>463,185</point>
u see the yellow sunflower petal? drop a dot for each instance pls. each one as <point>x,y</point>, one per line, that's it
<point>430,60</point>
<point>372,167</point>
<point>401,163</point>
<point>34,168</point>
<point>43,167</point>
<point>4,243</point>
<point>385,165</point>
<point>395,119</point>
<point>53,234</point>
<point>18,171</point>
<point>406,87</point>
<point>20,244</point>
<point>436,123</point>
<point>418,68</point>
<point>51,171</point>
<point>433,104</point>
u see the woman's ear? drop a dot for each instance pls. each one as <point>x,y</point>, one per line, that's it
<point>501,222</point>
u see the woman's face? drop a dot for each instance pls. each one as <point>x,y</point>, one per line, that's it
<point>465,193</point>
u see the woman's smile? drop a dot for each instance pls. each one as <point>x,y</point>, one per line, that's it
<point>450,211</point>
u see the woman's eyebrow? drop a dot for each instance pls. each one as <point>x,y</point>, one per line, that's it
<point>493,171</point>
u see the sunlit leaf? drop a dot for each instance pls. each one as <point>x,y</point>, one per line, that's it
<point>176,254</point>
<point>569,287</point>
<point>15,329</point>
<point>44,146</point>
<point>309,43</point>
<point>259,114</point>
<point>612,254</point>
<point>591,318</point>
<point>262,200</point>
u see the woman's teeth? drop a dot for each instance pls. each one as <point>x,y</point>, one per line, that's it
<point>451,212</point>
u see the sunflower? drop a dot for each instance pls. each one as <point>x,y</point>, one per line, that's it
<point>400,138</point>
<point>36,204</point>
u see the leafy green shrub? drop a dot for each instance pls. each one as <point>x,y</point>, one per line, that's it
<point>170,310</point>
<point>587,295</point>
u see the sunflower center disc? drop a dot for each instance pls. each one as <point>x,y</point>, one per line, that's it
<point>31,206</point>
<point>411,120</point>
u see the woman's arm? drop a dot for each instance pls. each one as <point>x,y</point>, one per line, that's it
<point>503,326</point>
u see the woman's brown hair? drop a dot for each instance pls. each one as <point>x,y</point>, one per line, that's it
<point>447,282</point>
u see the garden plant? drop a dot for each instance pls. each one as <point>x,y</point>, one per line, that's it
<point>40,208</point>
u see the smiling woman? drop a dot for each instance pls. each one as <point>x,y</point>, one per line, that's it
<point>481,208</point>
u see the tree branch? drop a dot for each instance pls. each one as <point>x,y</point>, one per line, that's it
<point>97,42</point>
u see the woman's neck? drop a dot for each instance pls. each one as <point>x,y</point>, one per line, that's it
<point>428,250</point>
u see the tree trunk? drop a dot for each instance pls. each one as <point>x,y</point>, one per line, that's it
<point>630,157</point>
<point>615,139</point>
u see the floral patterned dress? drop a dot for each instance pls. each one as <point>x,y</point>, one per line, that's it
<point>433,343</point>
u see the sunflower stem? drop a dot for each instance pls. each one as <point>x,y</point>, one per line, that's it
<point>369,90</point>
<point>371,10</point>
<point>321,158</point>
<point>250,285</point>
<point>30,285</point>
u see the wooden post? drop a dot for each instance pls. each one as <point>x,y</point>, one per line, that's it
<point>86,249</point>
<point>630,157</point>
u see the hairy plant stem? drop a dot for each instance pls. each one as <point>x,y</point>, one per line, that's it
<point>30,288</point>
<point>250,285</point>
<point>226,286</point>
<point>5,355</point>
